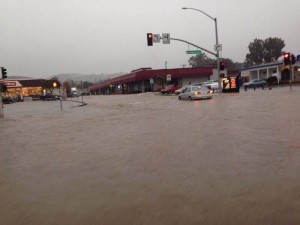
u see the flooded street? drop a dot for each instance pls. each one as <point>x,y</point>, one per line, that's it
<point>154,160</point>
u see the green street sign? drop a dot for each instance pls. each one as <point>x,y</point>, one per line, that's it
<point>193,51</point>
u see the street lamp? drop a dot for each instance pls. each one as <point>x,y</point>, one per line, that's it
<point>217,42</point>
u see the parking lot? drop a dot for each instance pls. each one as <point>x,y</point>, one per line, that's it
<point>152,159</point>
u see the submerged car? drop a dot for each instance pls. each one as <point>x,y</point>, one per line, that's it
<point>7,100</point>
<point>170,89</point>
<point>212,84</point>
<point>195,93</point>
<point>179,91</point>
<point>49,97</point>
<point>256,83</point>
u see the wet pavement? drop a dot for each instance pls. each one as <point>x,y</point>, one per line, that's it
<point>152,159</point>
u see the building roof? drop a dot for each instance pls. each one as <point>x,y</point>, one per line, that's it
<point>265,65</point>
<point>148,73</point>
<point>11,83</point>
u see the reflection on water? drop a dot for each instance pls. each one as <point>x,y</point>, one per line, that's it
<point>148,159</point>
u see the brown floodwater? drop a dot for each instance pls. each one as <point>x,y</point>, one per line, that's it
<point>152,159</point>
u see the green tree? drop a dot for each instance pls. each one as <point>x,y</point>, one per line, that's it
<point>67,88</point>
<point>264,50</point>
<point>86,84</point>
<point>162,80</point>
<point>202,60</point>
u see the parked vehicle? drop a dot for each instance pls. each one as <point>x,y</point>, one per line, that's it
<point>49,97</point>
<point>170,89</point>
<point>195,92</point>
<point>7,100</point>
<point>256,83</point>
<point>179,91</point>
<point>35,97</point>
<point>212,84</point>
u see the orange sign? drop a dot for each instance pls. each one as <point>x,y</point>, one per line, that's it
<point>232,82</point>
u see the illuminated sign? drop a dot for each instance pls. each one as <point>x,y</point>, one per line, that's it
<point>232,82</point>
<point>10,83</point>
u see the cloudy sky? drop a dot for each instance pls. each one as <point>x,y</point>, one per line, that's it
<point>40,38</point>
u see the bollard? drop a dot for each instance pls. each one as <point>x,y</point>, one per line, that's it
<point>245,87</point>
<point>263,87</point>
<point>254,87</point>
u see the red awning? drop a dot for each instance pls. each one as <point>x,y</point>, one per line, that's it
<point>11,83</point>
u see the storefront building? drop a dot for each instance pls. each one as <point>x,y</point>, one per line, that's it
<point>284,73</point>
<point>146,79</point>
<point>27,88</point>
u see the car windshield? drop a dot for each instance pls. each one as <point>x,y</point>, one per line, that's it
<point>195,88</point>
<point>203,88</point>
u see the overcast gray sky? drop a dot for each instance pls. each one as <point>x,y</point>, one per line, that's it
<point>40,38</point>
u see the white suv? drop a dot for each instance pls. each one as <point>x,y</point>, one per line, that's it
<point>212,84</point>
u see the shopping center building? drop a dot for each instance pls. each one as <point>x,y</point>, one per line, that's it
<point>147,79</point>
<point>20,88</point>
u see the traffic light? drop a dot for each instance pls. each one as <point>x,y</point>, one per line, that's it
<point>222,65</point>
<point>293,59</point>
<point>4,73</point>
<point>149,39</point>
<point>287,58</point>
<point>55,84</point>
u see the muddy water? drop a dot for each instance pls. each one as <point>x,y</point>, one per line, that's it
<point>151,159</point>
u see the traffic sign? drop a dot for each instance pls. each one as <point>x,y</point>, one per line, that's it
<point>156,38</point>
<point>193,52</point>
<point>169,77</point>
<point>166,38</point>
<point>218,47</point>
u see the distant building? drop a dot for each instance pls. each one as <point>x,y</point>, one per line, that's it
<point>21,88</point>
<point>277,69</point>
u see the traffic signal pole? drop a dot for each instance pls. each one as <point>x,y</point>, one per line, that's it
<point>1,108</point>
<point>1,104</point>
<point>176,39</point>
<point>4,75</point>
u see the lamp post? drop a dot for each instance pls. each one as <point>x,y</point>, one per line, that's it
<point>217,41</point>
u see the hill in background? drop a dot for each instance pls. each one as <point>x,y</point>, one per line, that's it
<point>92,78</point>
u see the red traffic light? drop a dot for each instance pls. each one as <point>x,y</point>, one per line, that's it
<point>222,65</point>
<point>287,58</point>
<point>149,39</point>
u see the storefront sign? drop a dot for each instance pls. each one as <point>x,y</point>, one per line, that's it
<point>10,83</point>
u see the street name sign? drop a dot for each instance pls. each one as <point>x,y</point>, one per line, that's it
<point>193,52</point>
